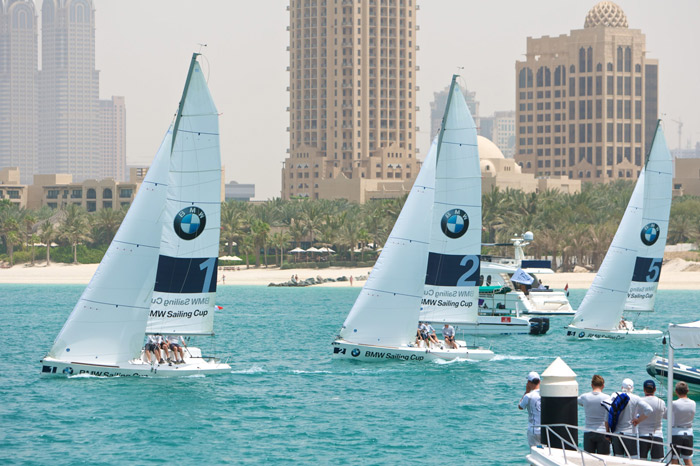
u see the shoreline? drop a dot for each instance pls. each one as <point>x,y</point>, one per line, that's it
<point>66,274</point>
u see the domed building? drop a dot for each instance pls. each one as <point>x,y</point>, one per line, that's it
<point>500,172</point>
<point>587,102</point>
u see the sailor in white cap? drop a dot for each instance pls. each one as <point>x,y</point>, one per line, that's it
<point>631,415</point>
<point>531,401</point>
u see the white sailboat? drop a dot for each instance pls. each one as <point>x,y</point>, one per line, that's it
<point>633,260</point>
<point>159,273</point>
<point>382,324</point>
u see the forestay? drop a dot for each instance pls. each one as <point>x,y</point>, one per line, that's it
<point>185,283</point>
<point>386,311</point>
<point>451,291</point>
<point>107,324</point>
<point>651,240</point>
<point>603,304</point>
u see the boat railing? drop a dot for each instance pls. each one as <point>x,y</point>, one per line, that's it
<point>577,451</point>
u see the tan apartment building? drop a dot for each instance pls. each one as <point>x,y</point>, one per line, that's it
<point>56,191</point>
<point>11,188</point>
<point>352,91</point>
<point>687,176</point>
<point>587,103</point>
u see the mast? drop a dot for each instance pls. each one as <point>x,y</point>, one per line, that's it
<point>444,116</point>
<point>182,99</point>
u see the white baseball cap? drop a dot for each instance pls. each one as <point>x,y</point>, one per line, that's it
<point>532,376</point>
<point>628,385</point>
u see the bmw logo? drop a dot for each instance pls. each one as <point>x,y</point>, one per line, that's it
<point>454,223</point>
<point>650,233</point>
<point>582,334</point>
<point>68,371</point>
<point>355,353</point>
<point>189,223</point>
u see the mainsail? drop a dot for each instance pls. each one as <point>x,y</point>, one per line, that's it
<point>386,312</point>
<point>451,290</point>
<point>603,303</point>
<point>651,240</point>
<point>185,283</point>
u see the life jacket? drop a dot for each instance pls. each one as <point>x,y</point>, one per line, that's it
<point>615,408</point>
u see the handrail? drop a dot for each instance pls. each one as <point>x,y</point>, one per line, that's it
<point>672,452</point>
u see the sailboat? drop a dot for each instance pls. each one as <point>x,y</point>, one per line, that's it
<point>159,273</point>
<point>382,323</point>
<point>629,275</point>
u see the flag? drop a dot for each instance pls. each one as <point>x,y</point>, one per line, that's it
<point>522,276</point>
<point>566,289</point>
<point>219,307</point>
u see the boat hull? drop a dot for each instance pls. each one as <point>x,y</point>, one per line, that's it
<point>499,325</point>
<point>577,333</point>
<point>135,368</point>
<point>658,368</point>
<point>346,350</point>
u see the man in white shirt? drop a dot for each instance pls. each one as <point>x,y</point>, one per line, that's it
<point>174,345</point>
<point>682,429</point>
<point>432,338</point>
<point>635,412</point>
<point>152,346</point>
<point>532,402</point>
<point>595,440</point>
<point>448,332</point>
<point>650,428</point>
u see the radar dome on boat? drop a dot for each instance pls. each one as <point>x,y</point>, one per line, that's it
<point>528,236</point>
<point>606,14</point>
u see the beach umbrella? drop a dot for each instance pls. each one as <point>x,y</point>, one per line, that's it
<point>230,258</point>
<point>236,258</point>
<point>313,249</point>
<point>296,250</point>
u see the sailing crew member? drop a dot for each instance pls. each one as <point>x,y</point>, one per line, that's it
<point>449,333</point>
<point>174,344</point>
<point>152,346</point>
<point>650,428</point>
<point>422,334</point>
<point>595,440</point>
<point>682,429</point>
<point>432,338</point>
<point>531,401</point>
<point>163,343</point>
<point>636,411</point>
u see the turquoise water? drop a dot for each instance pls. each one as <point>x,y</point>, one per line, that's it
<point>285,401</point>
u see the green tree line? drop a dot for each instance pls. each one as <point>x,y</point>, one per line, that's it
<point>571,228</point>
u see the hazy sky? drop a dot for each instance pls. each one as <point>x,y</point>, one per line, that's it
<point>143,50</point>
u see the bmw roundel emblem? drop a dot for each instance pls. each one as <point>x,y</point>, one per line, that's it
<point>68,371</point>
<point>582,334</point>
<point>355,353</point>
<point>650,233</point>
<point>190,222</point>
<point>454,223</point>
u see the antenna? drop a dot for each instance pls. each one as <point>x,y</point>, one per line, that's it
<point>680,131</point>
<point>201,46</point>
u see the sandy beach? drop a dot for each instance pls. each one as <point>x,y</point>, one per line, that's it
<point>676,275</point>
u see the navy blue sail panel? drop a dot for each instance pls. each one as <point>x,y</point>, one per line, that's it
<point>186,274</point>
<point>453,270</point>
<point>647,269</point>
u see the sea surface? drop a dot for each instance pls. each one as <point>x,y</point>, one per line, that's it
<point>285,401</point>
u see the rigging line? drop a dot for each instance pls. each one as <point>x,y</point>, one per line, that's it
<point>391,292</point>
<point>136,244</point>
<point>396,238</point>
<point>113,304</point>
<point>190,202</point>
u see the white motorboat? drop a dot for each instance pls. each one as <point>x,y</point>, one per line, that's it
<point>384,318</point>
<point>658,368</point>
<point>634,258</point>
<point>159,273</point>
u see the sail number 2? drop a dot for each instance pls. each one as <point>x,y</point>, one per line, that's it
<point>469,277</point>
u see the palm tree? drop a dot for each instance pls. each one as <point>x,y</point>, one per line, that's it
<point>105,223</point>
<point>233,222</point>
<point>10,226</point>
<point>259,231</point>
<point>74,228</point>
<point>279,241</point>
<point>246,246</point>
<point>47,235</point>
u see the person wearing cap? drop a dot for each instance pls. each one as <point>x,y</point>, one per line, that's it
<point>594,439</point>
<point>636,411</point>
<point>532,402</point>
<point>650,428</point>
<point>682,429</point>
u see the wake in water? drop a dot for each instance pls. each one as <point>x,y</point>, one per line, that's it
<point>502,357</point>
<point>443,362</point>
<point>255,369</point>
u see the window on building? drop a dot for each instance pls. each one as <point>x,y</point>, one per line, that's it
<point>52,194</point>
<point>610,85</point>
<point>638,86</point>
<point>126,192</point>
<point>90,194</point>
<point>628,59</point>
<point>76,194</point>
<point>581,60</point>
<point>91,206</point>
<point>609,156</point>
<point>619,58</point>
<point>107,194</point>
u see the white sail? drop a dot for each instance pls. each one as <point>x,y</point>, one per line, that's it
<point>451,291</point>
<point>603,304</point>
<point>107,324</point>
<point>386,312</point>
<point>185,284</point>
<point>651,240</point>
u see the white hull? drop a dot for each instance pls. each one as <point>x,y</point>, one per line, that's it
<point>345,350</point>
<point>496,325</point>
<point>549,303</point>
<point>194,365</point>
<point>577,333</point>
<point>658,368</point>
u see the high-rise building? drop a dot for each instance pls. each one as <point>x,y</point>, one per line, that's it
<point>18,86</point>
<point>352,113</point>
<point>587,103</point>
<point>69,90</point>
<point>112,131</point>
<point>437,108</point>
<point>504,132</point>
